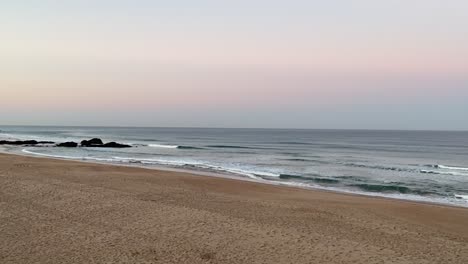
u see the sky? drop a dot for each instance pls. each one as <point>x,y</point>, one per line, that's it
<point>351,64</point>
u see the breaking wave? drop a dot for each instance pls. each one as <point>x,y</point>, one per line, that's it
<point>390,188</point>
<point>359,165</point>
<point>448,167</point>
<point>172,146</point>
<point>306,178</point>
<point>162,146</point>
<point>453,173</point>
<point>228,147</point>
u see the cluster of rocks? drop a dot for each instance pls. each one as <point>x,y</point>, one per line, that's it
<point>68,145</point>
<point>95,143</point>
<point>24,142</point>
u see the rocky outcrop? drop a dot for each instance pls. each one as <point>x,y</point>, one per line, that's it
<point>95,142</point>
<point>18,142</point>
<point>68,144</point>
<point>115,145</point>
<point>24,142</point>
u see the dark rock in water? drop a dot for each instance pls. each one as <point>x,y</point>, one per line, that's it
<point>24,142</point>
<point>45,142</point>
<point>18,142</point>
<point>115,145</point>
<point>95,142</point>
<point>27,142</point>
<point>68,145</point>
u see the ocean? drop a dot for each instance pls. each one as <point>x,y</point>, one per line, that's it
<point>430,166</point>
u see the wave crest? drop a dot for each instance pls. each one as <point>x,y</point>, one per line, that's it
<point>228,146</point>
<point>453,173</point>
<point>314,179</point>
<point>448,167</point>
<point>162,146</point>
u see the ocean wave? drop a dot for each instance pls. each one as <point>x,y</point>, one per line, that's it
<point>382,188</point>
<point>453,173</point>
<point>162,146</point>
<point>314,179</point>
<point>296,159</point>
<point>392,188</point>
<point>66,157</point>
<point>145,139</point>
<point>48,155</point>
<point>448,167</point>
<point>351,178</point>
<point>149,161</point>
<point>251,173</point>
<point>228,146</point>
<point>237,170</point>
<point>255,173</point>
<point>172,146</point>
<point>292,143</point>
<point>379,167</point>
<point>188,147</point>
<point>461,196</point>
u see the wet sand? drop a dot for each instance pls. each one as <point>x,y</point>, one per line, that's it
<point>54,211</point>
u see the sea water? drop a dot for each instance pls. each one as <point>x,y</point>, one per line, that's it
<point>427,166</point>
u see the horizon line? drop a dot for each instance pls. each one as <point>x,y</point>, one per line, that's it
<point>259,128</point>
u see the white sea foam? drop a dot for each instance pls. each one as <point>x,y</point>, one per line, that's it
<point>255,174</point>
<point>453,173</point>
<point>462,196</point>
<point>67,157</point>
<point>48,155</point>
<point>201,165</point>
<point>162,146</point>
<point>155,161</point>
<point>452,168</point>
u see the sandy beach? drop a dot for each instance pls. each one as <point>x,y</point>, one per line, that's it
<point>54,211</point>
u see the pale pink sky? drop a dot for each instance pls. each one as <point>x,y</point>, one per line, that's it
<point>226,62</point>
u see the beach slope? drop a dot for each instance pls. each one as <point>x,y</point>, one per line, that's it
<point>54,211</point>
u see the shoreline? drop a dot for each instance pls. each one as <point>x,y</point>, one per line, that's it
<point>232,176</point>
<point>59,211</point>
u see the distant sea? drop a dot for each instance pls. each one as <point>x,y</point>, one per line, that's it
<point>429,166</point>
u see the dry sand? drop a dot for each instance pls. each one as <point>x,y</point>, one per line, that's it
<point>55,211</point>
